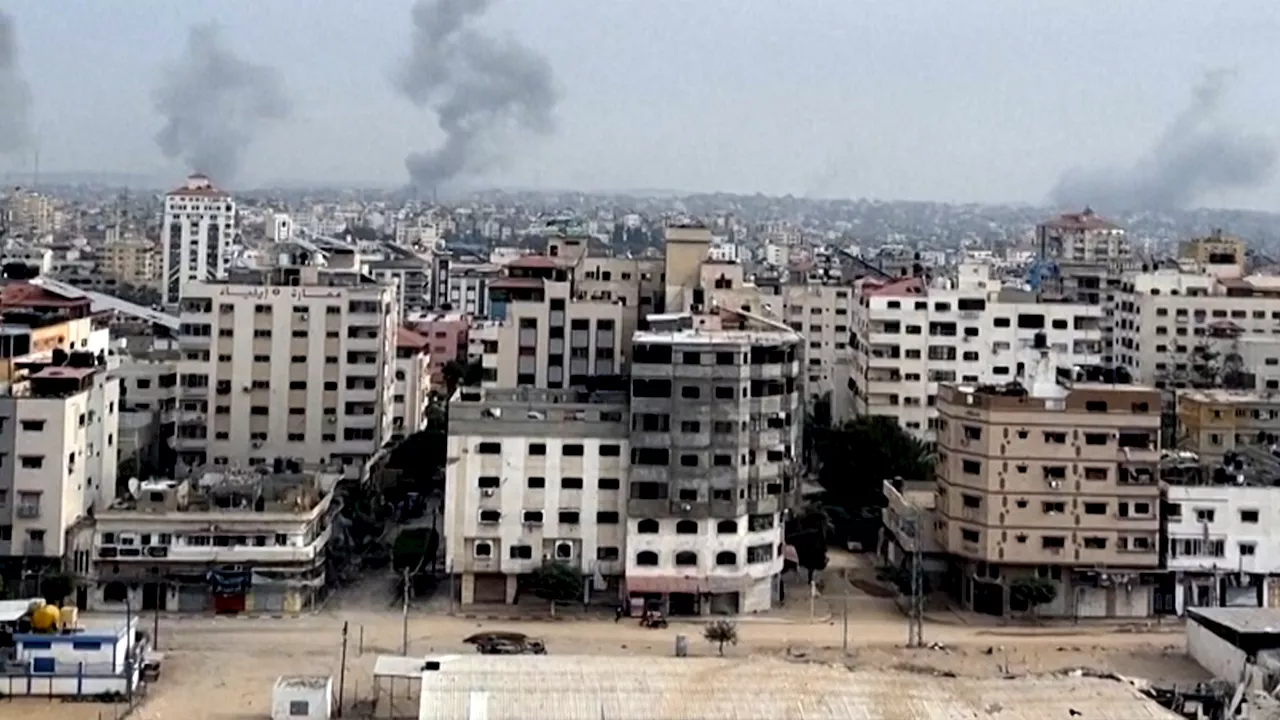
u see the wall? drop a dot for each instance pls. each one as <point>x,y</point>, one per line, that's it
<point>1214,654</point>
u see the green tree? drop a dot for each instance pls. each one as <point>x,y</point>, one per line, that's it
<point>556,582</point>
<point>853,461</point>
<point>721,633</point>
<point>1031,592</point>
<point>57,587</point>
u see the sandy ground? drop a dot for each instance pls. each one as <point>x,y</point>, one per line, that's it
<point>224,668</point>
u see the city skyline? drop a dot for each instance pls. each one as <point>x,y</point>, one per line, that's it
<point>1003,104</point>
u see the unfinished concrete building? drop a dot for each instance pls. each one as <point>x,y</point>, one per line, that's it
<point>715,423</point>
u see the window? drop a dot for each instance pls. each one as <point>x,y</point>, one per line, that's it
<point>1249,516</point>
<point>489,481</point>
<point>686,558</point>
<point>1095,508</point>
<point>971,467</point>
<point>689,460</point>
<point>483,550</point>
<point>571,483</point>
<point>570,517</point>
<point>608,483</point>
<point>35,425</point>
<point>489,448</point>
<point>490,516</point>
<point>726,527</point>
<point>536,482</point>
<point>574,450</point>
<point>647,527</point>
<point>687,527</point>
<point>1095,438</point>
<point>33,462</point>
<point>521,552</point>
<point>537,448</point>
<point>1247,549</point>
<point>690,426</point>
<point>610,450</point>
<point>1204,515</point>
<point>607,517</point>
<point>650,456</point>
<point>725,392</point>
<point>531,517</point>
<point>726,557</point>
<point>1052,542</point>
<point>690,392</point>
<point>647,558</point>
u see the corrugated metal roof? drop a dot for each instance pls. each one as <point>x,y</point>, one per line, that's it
<point>648,688</point>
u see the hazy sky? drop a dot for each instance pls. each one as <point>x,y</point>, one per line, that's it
<point>916,99</point>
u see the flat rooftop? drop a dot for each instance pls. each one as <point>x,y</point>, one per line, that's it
<point>714,337</point>
<point>709,688</point>
<point>1243,620</point>
<point>1229,397</point>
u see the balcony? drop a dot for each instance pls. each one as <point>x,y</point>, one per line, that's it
<point>239,554</point>
<point>28,512</point>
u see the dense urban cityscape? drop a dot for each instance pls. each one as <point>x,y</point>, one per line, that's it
<point>439,452</point>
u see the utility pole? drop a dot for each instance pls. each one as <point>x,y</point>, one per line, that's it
<point>404,617</point>
<point>342,670</point>
<point>915,612</point>
<point>844,626</point>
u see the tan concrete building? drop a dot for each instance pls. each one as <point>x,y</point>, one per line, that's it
<point>1214,422</point>
<point>545,333</point>
<point>1057,481</point>
<point>295,362</point>
<point>136,262</point>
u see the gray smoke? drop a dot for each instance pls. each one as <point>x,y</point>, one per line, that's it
<point>1194,157</point>
<point>214,104</point>
<point>478,86</point>
<point>15,94</point>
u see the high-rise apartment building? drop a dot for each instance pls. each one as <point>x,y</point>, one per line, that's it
<point>715,423</point>
<point>134,261</point>
<point>196,234</point>
<point>1082,258</point>
<point>544,333</point>
<point>295,362</point>
<point>1058,479</point>
<point>911,336</point>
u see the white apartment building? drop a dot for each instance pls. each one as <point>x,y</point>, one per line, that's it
<point>294,362</point>
<point>230,542</point>
<point>911,336</point>
<point>1223,545</point>
<point>196,235</point>
<point>469,287</point>
<point>1166,315</point>
<point>412,384</point>
<point>534,476</point>
<point>58,419</point>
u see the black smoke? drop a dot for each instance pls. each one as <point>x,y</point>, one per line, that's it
<point>479,87</point>
<point>15,93</point>
<point>1196,156</point>
<point>215,104</point>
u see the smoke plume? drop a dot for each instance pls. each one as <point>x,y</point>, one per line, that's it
<point>1194,157</point>
<point>214,104</point>
<point>15,94</point>
<point>478,86</point>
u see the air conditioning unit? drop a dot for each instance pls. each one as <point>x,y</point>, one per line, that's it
<point>487,492</point>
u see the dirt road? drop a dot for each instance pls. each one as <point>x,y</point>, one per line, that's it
<point>224,668</point>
